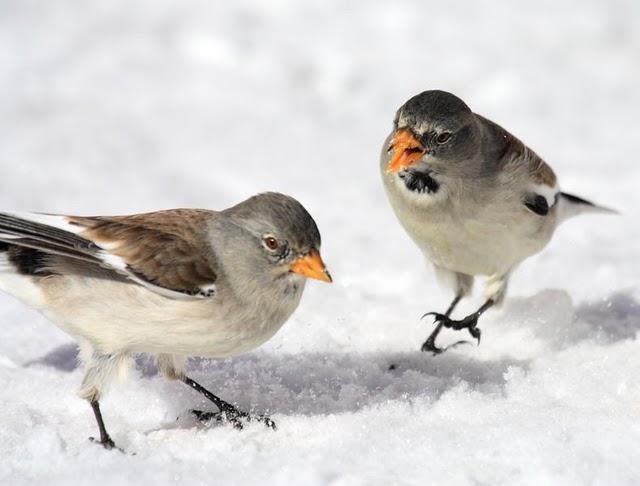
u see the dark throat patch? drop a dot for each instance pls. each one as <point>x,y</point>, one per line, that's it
<point>418,181</point>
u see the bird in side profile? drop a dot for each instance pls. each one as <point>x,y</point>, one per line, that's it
<point>473,197</point>
<point>174,283</point>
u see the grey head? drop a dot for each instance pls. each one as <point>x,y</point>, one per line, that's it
<point>434,131</point>
<point>274,235</point>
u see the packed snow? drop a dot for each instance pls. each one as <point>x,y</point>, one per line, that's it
<point>120,107</point>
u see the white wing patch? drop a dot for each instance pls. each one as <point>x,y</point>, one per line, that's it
<point>113,261</point>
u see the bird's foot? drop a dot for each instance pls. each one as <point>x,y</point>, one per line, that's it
<point>106,442</point>
<point>429,346</point>
<point>233,416</point>
<point>470,323</point>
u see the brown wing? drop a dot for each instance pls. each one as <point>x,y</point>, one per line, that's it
<point>542,193</point>
<point>166,248</point>
<point>514,157</point>
<point>511,151</point>
<point>166,251</point>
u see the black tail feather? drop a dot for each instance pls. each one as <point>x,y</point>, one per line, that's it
<point>573,205</point>
<point>575,199</point>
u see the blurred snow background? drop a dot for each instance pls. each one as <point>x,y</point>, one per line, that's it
<point>120,107</point>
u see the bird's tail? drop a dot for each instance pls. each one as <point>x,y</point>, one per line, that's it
<point>570,206</point>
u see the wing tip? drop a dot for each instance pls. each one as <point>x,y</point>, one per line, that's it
<point>579,205</point>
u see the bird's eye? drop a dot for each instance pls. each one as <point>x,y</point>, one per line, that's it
<point>270,242</point>
<point>443,137</point>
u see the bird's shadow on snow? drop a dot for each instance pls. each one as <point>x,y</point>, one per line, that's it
<point>551,317</point>
<point>613,319</point>
<point>315,383</point>
<point>325,383</point>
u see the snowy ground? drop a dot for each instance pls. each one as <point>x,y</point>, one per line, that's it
<point>118,107</point>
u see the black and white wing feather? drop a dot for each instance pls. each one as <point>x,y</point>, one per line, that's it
<point>163,251</point>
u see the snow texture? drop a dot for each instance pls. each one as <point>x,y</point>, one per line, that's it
<point>120,107</point>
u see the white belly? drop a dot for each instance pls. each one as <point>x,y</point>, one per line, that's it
<point>117,317</point>
<point>474,247</point>
<point>486,240</point>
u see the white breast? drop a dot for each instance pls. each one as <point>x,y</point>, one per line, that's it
<point>464,233</point>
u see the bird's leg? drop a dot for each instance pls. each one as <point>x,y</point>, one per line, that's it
<point>100,370</point>
<point>227,412</point>
<point>470,322</point>
<point>105,439</point>
<point>430,344</point>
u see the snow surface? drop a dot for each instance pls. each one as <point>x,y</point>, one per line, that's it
<point>120,107</point>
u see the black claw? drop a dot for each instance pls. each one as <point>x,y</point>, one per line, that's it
<point>437,317</point>
<point>218,417</point>
<point>432,348</point>
<point>458,343</point>
<point>476,333</point>
<point>107,443</point>
<point>204,416</point>
<point>235,422</point>
<point>429,346</point>
<point>443,320</point>
<point>469,323</point>
<point>235,418</point>
<point>267,421</point>
<point>466,323</point>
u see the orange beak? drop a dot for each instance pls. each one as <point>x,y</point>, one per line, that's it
<point>406,151</point>
<point>311,266</point>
